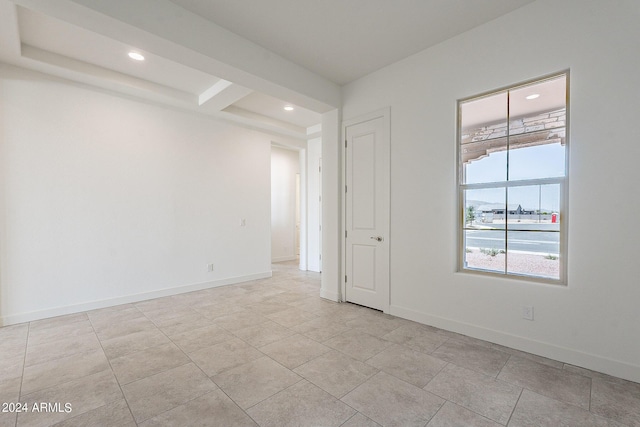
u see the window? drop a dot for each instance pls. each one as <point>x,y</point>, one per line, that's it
<point>512,181</point>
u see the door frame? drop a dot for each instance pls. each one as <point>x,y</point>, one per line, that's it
<point>385,114</point>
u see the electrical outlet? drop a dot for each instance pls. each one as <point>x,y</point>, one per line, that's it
<point>210,267</point>
<point>527,312</point>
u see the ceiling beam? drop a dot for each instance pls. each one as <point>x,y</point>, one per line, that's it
<point>163,28</point>
<point>221,95</point>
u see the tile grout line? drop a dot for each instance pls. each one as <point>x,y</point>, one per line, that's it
<point>124,397</point>
<point>24,363</point>
<point>515,406</point>
<point>503,365</point>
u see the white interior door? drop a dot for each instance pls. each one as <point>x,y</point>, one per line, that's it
<point>367,202</point>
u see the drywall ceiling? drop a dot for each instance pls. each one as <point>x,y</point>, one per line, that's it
<point>343,40</point>
<point>239,60</point>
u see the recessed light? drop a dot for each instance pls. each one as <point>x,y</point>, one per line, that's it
<point>533,96</point>
<point>136,56</point>
<point>288,108</point>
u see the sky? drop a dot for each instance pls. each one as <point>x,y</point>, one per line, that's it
<point>541,161</point>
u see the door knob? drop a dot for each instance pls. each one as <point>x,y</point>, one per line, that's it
<point>377,238</point>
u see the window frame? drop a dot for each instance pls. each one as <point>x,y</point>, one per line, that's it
<point>562,181</point>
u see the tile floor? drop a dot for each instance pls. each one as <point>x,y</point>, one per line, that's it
<point>272,353</point>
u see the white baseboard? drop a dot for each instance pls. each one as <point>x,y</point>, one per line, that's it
<point>93,305</point>
<point>593,362</point>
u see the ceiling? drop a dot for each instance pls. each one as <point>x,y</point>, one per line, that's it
<point>238,60</point>
<point>343,40</point>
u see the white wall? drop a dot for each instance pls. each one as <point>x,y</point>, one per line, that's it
<point>301,214</point>
<point>108,200</point>
<point>285,164</point>
<point>593,322</point>
<point>314,147</point>
<point>332,191</point>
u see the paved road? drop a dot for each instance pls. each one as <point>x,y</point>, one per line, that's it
<point>529,241</point>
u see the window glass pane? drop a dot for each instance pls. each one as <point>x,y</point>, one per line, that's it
<point>537,120</point>
<point>534,207</point>
<point>534,253</point>
<point>540,161</point>
<point>484,208</point>
<point>485,250</point>
<point>483,139</point>
<point>512,137</point>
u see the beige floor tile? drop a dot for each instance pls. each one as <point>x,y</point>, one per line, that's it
<point>84,395</point>
<point>60,332</point>
<point>359,420</point>
<point>240,320</point>
<point>358,345</point>
<point>248,300</point>
<point>288,298</point>
<point>478,358</point>
<point>214,311</point>
<point>9,393</point>
<point>290,317</point>
<point>10,390</point>
<point>313,304</point>
<point>224,356</point>
<point>525,355</point>
<point>11,368</point>
<point>320,329</point>
<point>177,325</point>
<point>159,393</point>
<point>540,411</point>
<point>255,381</point>
<point>105,317</point>
<point>336,373</point>
<point>283,324</point>
<point>8,419</point>
<point>52,373</point>
<point>480,393</point>
<point>13,341</point>
<point>120,328</point>
<point>192,298</point>
<point>551,382</point>
<point>266,308</point>
<point>343,313</point>
<point>452,415</point>
<point>293,351</point>
<point>214,409</point>
<point>137,341</point>
<point>197,339</point>
<point>417,337</point>
<point>467,339</point>
<point>116,414</point>
<point>166,314</point>
<point>263,334</point>
<point>167,304</point>
<point>599,375</point>
<point>299,405</point>
<point>135,366</point>
<point>392,402</point>
<point>408,365</point>
<point>617,401</point>
<point>374,324</point>
<point>62,348</point>
<point>53,322</point>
